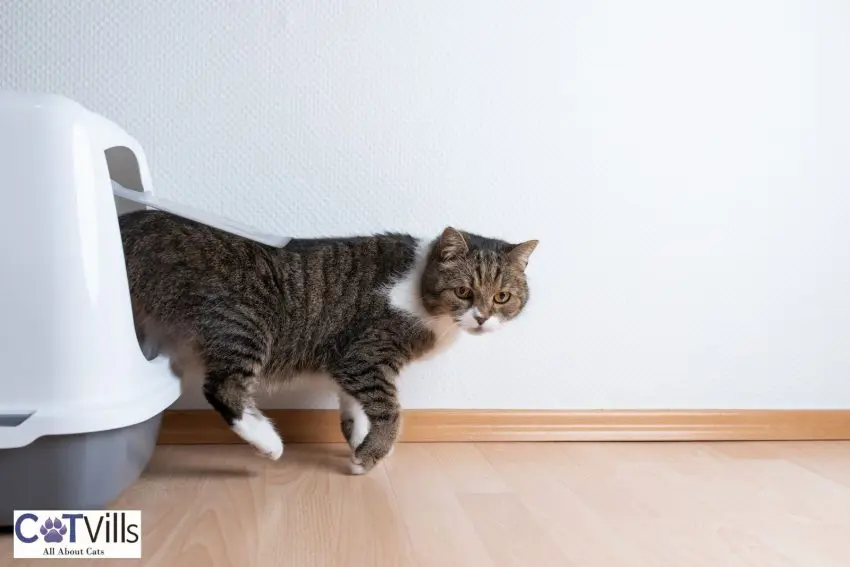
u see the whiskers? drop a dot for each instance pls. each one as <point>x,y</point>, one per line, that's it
<point>441,325</point>
<point>444,334</point>
<point>414,321</point>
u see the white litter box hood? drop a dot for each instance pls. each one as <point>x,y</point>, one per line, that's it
<point>71,362</point>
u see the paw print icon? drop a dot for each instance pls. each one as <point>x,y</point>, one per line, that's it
<point>53,529</point>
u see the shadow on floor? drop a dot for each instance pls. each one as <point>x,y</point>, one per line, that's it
<point>182,461</point>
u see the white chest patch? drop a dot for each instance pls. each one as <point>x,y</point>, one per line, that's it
<point>406,295</point>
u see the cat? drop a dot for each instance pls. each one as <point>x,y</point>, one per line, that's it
<point>357,309</point>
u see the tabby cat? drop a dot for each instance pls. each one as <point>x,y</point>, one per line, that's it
<point>357,309</point>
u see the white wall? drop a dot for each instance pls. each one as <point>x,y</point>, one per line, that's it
<point>684,164</point>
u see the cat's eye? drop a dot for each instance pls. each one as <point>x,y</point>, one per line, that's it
<point>502,297</point>
<point>463,292</point>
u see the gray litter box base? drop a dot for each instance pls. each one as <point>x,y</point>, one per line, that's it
<point>85,471</point>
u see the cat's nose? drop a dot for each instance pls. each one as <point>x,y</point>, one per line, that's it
<point>481,318</point>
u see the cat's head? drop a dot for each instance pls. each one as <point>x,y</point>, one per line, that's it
<point>479,282</point>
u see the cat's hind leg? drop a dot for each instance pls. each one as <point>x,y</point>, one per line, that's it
<point>229,385</point>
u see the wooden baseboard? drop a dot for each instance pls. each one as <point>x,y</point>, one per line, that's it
<point>322,426</point>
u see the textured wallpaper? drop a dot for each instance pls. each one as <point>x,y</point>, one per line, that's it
<point>683,164</point>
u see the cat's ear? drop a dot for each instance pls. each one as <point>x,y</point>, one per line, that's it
<point>519,253</point>
<point>452,244</point>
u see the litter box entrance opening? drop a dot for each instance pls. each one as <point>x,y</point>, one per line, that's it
<point>123,168</point>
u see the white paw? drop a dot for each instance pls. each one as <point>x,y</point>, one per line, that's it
<point>359,430</point>
<point>257,430</point>
<point>360,424</point>
<point>356,466</point>
<point>273,453</point>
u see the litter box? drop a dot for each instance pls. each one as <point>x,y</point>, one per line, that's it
<point>80,406</point>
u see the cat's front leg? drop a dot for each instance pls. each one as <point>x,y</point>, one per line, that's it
<point>352,420</point>
<point>370,413</point>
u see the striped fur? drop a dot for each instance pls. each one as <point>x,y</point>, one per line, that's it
<point>357,309</point>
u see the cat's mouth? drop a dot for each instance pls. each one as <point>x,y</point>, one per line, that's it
<point>475,328</point>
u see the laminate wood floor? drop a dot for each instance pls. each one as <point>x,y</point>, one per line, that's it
<point>496,504</point>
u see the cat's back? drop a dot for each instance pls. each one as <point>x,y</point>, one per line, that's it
<point>167,256</point>
<point>379,258</point>
<point>161,231</point>
<point>346,276</point>
<point>156,236</point>
<point>162,246</point>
